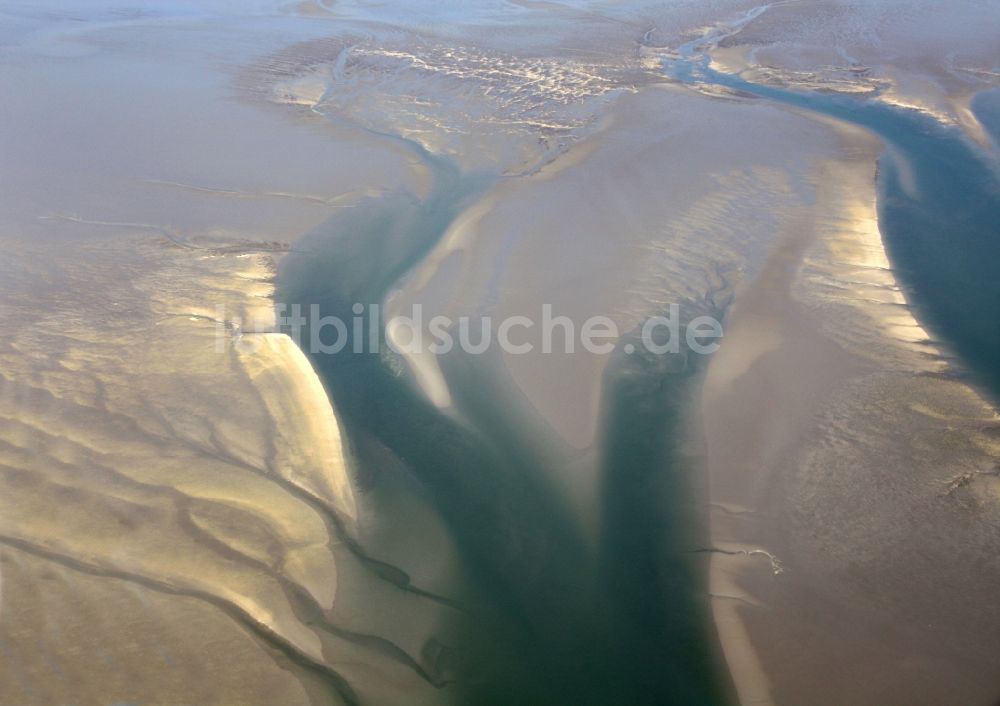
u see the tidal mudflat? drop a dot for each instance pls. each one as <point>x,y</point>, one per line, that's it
<point>202,502</point>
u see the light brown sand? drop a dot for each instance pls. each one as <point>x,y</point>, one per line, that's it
<point>835,447</point>
<point>176,509</point>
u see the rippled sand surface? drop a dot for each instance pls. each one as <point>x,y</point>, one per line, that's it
<point>193,510</point>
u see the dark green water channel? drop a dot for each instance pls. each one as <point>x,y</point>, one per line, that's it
<point>551,620</point>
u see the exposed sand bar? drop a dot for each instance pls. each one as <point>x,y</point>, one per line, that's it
<point>301,410</point>
<point>860,513</point>
<point>867,528</point>
<point>181,521</point>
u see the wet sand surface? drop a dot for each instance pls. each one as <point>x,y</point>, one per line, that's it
<point>195,512</point>
<point>871,472</point>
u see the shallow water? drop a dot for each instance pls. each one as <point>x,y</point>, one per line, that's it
<point>938,205</point>
<point>550,620</point>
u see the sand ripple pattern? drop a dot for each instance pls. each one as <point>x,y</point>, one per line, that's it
<point>141,464</point>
